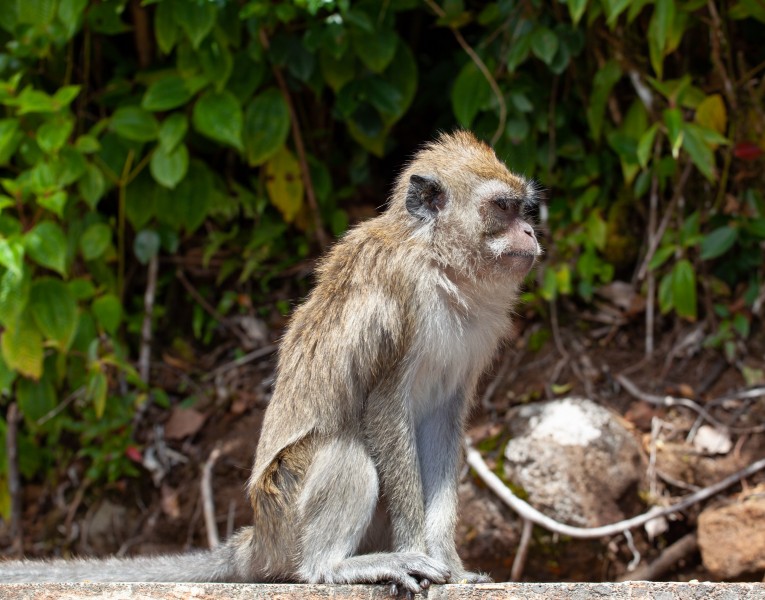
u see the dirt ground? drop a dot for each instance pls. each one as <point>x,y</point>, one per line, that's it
<point>552,356</point>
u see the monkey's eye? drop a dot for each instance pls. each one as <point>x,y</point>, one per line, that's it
<point>502,203</point>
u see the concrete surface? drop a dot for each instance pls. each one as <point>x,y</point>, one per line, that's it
<point>506,591</point>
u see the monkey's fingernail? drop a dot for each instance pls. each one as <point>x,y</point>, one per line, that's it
<point>409,595</point>
<point>393,590</point>
<point>425,584</point>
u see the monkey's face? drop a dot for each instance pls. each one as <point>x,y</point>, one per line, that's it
<point>477,225</point>
<point>508,235</point>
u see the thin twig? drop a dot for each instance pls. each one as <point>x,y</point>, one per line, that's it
<point>519,562</point>
<point>665,221</point>
<point>144,354</point>
<point>652,216</point>
<point>481,67</point>
<point>242,360</point>
<point>526,511</point>
<point>208,503</point>
<point>14,485</point>
<point>297,137</point>
<point>635,553</point>
<point>210,309</point>
<point>669,401</point>
<point>671,555</point>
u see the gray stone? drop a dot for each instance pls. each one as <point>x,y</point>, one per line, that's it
<point>576,461</point>
<point>504,591</point>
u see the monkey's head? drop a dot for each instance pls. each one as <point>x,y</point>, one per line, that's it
<point>461,200</point>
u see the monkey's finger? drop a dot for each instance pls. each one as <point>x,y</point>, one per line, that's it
<point>434,573</point>
<point>407,584</point>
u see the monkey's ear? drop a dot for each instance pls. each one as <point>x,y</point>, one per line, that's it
<point>425,196</point>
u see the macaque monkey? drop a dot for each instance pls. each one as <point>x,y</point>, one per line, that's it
<point>356,472</point>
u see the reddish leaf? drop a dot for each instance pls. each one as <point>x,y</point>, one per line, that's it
<point>134,454</point>
<point>747,151</point>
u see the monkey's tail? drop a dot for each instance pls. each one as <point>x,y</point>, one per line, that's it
<point>231,562</point>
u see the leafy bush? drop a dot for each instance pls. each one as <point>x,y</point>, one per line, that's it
<point>242,129</point>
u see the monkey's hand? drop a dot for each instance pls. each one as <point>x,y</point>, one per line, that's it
<point>412,572</point>
<point>469,577</point>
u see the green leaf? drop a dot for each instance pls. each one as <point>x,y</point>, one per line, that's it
<point>12,254</point>
<point>520,48</point>
<point>661,256</point>
<point>284,184</point>
<point>700,153</point>
<point>108,312</point>
<point>218,116</point>
<point>46,245</point>
<point>197,19</point>
<point>64,95</point>
<point>576,9</point>
<point>36,398</point>
<point>471,93</point>
<point>53,134</point>
<point>146,245</point>
<point>14,293</point>
<point>165,28</point>
<point>172,131</point>
<point>217,63</point>
<point>266,126</point>
<point>96,391</point>
<point>375,49</point>
<point>10,136</point>
<point>54,310</point>
<point>544,44</point>
<point>22,347</point>
<point>169,168</point>
<point>7,377</point>
<point>337,71</point>
<point>684,289</point>
<point>613,9</point>
<point>92,185</point>
<point>95,241</point>
<point>549,290</point>
<point>193,198</point>
<point>36,12</point>
<point>673,119</point>
<point>87,144</point>
<point>70,13</point>
<point>663,15</point>
<point>645,145</point>
<point>718,242</point>
<point>135,124</point>
<point>166,94</point>
<point>603,83</point>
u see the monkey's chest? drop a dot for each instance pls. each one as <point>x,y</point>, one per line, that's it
<point>452,352</point>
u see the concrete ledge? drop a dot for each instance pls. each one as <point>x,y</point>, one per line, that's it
<point>505,591</point>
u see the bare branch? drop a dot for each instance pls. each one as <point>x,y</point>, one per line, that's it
<point>528,512</point>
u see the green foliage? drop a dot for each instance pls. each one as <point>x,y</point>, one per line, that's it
<point>180,138</point>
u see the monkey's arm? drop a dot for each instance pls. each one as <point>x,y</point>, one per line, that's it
<point>439,442</point>
<point>391,435</point>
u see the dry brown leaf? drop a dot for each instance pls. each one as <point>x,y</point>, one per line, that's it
<point>183,422</point>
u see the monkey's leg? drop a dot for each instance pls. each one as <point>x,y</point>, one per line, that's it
<point>439,438</point>
<point>334,510</point>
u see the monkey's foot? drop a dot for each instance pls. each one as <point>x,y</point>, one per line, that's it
<point>470,577</point>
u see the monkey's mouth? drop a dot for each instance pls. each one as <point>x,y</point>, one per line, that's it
<point>519,260</point>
